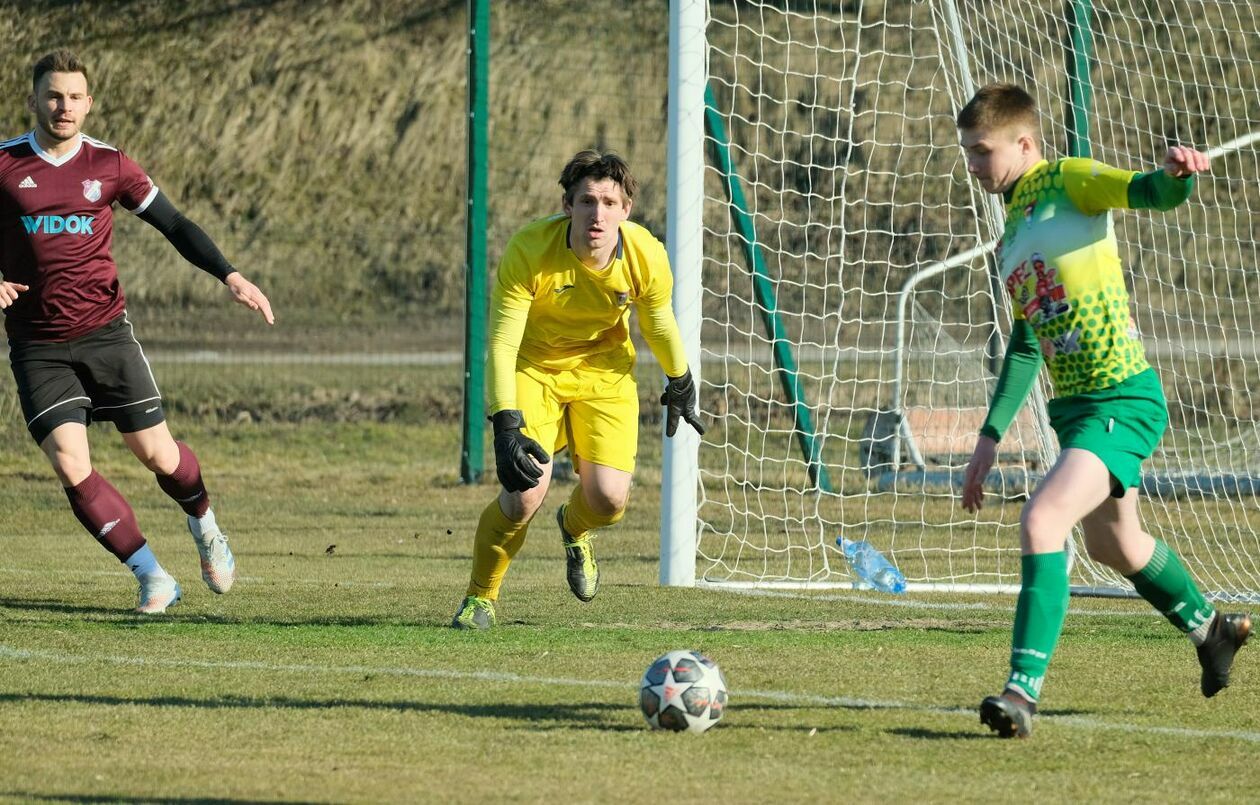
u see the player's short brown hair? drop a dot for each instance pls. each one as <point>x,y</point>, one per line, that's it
<point>593,164</point>
<point>999,106</point>
<point>59,61</point>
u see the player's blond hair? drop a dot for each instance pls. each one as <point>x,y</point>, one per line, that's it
<point>592,164</point>
<point>1000,106</point>
<point>59,61</point>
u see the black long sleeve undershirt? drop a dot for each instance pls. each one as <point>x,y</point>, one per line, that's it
<point>189,240</point>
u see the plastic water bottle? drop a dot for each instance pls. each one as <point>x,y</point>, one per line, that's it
<point>870,567</point>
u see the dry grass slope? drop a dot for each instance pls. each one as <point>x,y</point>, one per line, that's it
<point>323,144</point>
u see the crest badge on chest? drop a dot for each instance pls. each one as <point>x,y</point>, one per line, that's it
<point>92,189</point>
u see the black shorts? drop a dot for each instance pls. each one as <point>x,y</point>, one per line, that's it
<point>102,375</point>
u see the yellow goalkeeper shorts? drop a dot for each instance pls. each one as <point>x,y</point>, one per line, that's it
<point>594,412</point>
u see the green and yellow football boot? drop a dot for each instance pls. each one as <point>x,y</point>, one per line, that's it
<point>580,566</point>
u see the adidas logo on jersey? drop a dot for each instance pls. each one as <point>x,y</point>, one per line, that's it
<point>28,182</point>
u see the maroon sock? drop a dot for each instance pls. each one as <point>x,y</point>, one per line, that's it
<point>106,515</point>
<point>185,486</point>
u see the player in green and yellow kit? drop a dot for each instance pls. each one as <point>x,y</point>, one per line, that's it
<point>1061,266</point>
<point>562,372</point>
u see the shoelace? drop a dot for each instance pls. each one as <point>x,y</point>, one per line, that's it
<point>216,548</point>
<point>219,549</point>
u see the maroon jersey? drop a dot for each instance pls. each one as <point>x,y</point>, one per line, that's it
<point>56,229</point>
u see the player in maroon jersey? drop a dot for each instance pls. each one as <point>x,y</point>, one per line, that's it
<point>71,345</point>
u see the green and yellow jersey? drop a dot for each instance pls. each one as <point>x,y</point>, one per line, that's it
<point>1061,265</point>
<point>552,312</point>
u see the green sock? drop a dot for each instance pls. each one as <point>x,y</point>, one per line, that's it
<point>1043,600</point>
<point>1165,583</point>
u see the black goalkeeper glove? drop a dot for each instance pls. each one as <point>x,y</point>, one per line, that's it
<point>680,401</point>
<point>513,450</point>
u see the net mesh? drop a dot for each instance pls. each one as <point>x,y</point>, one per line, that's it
<point>872,238</point>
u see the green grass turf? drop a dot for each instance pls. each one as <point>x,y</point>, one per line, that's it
<point>332,676</point>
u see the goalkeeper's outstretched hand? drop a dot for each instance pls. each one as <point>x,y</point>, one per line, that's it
<point>516,456</point>
<point>680,402</point>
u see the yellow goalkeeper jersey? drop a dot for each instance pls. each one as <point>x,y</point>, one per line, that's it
<point>552,312</point>
<point>1061,265</point>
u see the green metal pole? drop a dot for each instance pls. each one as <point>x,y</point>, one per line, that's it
<point>1080,50</point>
<point>472,458</point>
<point>789,377</point>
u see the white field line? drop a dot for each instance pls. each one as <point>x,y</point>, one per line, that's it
<point>910,602</point>
<point>122,574</point>
<point>855,598</point>
<point>913,603</point>
<point>17,655</point>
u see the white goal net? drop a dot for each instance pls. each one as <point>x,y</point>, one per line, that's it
<point>851,327</point>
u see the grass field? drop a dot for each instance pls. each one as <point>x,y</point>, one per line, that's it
<point>322,145</point>
<point>329,673</point>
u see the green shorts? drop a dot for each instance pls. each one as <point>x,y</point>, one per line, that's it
<point>1122,425</point>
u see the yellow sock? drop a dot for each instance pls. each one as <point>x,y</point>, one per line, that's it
<point>498,540</point>
<point>579,520</point>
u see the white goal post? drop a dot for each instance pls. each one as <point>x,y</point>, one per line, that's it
<point>844,324</point>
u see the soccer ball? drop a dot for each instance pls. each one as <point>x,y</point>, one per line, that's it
<point>683,691</point>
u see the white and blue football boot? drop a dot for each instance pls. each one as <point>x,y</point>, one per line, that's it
<point>218,566</point>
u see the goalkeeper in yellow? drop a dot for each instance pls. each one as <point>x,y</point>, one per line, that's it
<point>561,372</point>
<point>1061,267</point>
